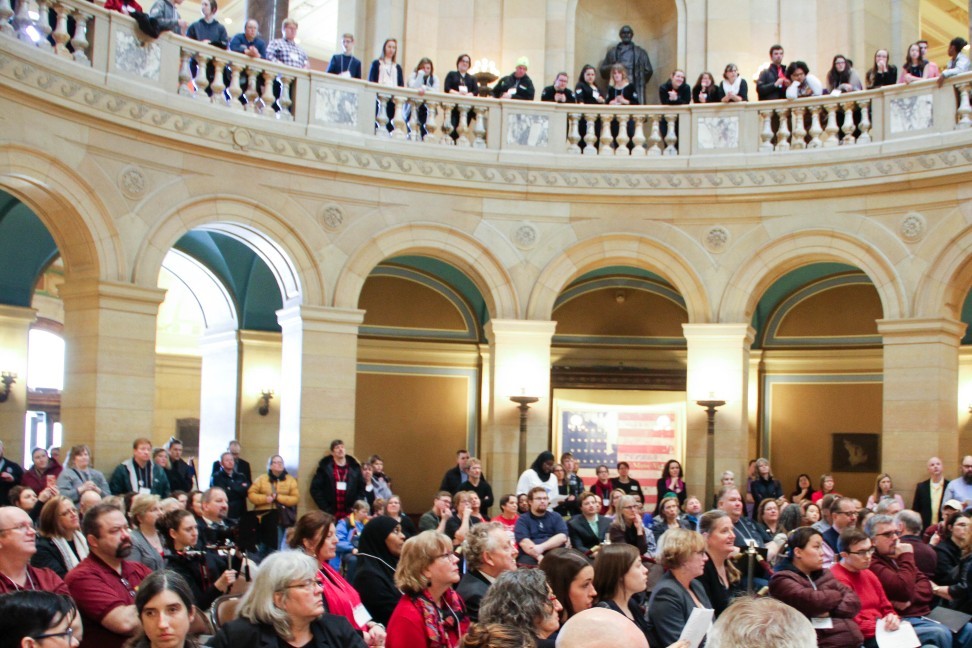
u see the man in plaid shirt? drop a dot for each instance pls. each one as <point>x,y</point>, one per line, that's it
<point>285,50</point>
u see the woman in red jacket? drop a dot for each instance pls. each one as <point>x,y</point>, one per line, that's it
<point>430,614</point>
<point>801,582</point>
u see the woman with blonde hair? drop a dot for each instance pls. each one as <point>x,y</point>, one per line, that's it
<point>430,612</point>
<point>629,528</point>
<point>147,544</point>
<point>477,483</point>
<point>60,544</point>
<point>883,489</point>
<point>678,592</point>
<point>720,577</point>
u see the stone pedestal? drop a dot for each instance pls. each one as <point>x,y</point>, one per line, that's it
<point>920,397</point>
<point>318,375</point>
<point>518,364</point>
<point>109,381</point>
<point>15,323</point>
<point>718,369</point>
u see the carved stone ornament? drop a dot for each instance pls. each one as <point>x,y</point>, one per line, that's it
<point>331,216</point>
<point>716,239</point>
<point>241,138</point>
<point>132,182</point>
<point>913,227</point>
<point>525,236</point>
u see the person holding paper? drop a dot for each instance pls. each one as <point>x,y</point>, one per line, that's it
<point>677,594</point>
<point>852,570</point>
<point>802,582</point>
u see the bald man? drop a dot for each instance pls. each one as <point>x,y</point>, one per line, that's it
<point>600,628</point>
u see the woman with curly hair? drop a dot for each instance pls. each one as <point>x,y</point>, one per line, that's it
<point>523,599</point>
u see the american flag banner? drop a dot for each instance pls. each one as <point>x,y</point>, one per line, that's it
<point>646,436</point>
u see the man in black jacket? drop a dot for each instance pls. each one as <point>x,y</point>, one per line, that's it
<point>234,483</point>
<point>772,82</point>
<point>488,552</point>
<point>338,482</point>
<point>456,476</point>
<point>517,85</point>
<point>930,494</point>
<point>241,465</point>
<point>180,474</point>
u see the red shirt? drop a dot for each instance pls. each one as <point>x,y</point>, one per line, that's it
<point>874,602</point>
<point>406,627</point>
<point>39,579</point>
<point>98,589</point>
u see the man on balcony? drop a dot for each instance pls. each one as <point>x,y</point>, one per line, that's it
<point>345,64</point>
<point>558,92</point>
<point>517,85</point>
<point>249,42</point>
<point>286,50</point>
<point>773,82</point>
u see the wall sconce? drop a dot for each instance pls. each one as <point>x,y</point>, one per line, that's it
<point>523,404</point>
<point>8,378</point>
<point>265,397</point>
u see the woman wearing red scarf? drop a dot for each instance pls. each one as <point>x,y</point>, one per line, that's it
<point>314,534</point>
<point>430,614</point>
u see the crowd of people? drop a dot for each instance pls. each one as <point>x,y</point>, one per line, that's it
<point>134,561</point>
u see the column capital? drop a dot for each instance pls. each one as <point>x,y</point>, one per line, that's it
<point>112,295</point>
<point>922,330</point>
<point>719,332</point>
<point>541,330</point>
<point>15,314</point>
<point>321,318</point>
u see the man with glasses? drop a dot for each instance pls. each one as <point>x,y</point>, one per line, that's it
<point>538,530</point>
<point>910,591</point>
<point>853,571</point>
<point>960,488</point>
<point>438,516</point>
<point>103,584</point>
<point>18,544</point>
<point>843,516</point>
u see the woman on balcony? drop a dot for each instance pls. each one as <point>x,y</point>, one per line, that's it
<point>620,92</point>
<point>733,86</point>
<point>915,67</point>
<point>387,72</point>
<point>842,77</point>
<point>586,90</point>
<point>882,73</point>
<point>802,83</point>
<point>705,89</point>
<point>675,91</point>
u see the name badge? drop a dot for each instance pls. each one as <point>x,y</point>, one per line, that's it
<point>361,616</point>
<point>823,623</point>
<point>607,501</point>
<point>595,93</point>
<point>346,73</point>
<point>342,485</point>
<point>462,89</point>
<point>144,491</point>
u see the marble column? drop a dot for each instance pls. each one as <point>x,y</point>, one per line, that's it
<point>218,397</point>
<point>518,364</point>
<point>109,366</point>
<point>718,369</point>
<point>15,322</point>
<point>920,397</point>
<point>318,378</point>
<point>270,14</point>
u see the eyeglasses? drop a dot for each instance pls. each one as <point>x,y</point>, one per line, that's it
<point>850,513</point>
<point>69,633</point>
<point>23,527</point>
<point>446,556</point>
<point>309,585</point>
<point>888,534</point>
<point>863,553</point>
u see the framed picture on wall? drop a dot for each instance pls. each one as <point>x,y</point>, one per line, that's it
<point>856,452</point>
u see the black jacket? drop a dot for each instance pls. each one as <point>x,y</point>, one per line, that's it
<point>452,480</point>
<point>472,588</point>
<point>522,88</point>
<point>200,572</point>
<point>180,475</point>
<point>581,536</point>
<point>766,84</point>
<point>922,504</point>
<point>242,466</point>
<point>330,631</point>
<point>236,486</point>
<point>324,489</point>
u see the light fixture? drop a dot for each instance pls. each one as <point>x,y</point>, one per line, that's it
<point>265,397</point>
<point>523,404</point>
<point>710,411</point>
<point>485,72</point>
<point>8,378</point>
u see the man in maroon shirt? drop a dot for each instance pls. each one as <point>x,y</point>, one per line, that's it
<point>18,543</point>
<point>103,585</point>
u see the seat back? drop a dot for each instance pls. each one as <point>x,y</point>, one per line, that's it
<point>224,610</point>
<point>201,624</point>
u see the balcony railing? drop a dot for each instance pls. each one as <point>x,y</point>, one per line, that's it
<point>314,104</point>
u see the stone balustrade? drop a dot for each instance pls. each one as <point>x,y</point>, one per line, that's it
<point>321,107</point>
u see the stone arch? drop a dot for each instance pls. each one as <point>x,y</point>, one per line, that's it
<point>69,208</point>
<point>945,284</point>
<point>774,259</point>
<point>294,266</point>
<point>622,249</point>
<point>214,299</point>
<point>465,252</point>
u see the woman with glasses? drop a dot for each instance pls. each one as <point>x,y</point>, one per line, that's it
<point>60,545</point>
<point>284,607</point>
<point>802,582</point>
<point>314,534</point>
<point>165,610</point>
<point>30,619</point>
<point>629,528</point>
<point>952,550</point>
<point>430,612</point>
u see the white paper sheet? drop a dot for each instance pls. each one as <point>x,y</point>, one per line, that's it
<point>903,637</point>
<point>697,626</point>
